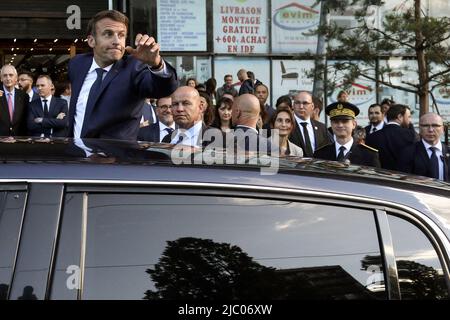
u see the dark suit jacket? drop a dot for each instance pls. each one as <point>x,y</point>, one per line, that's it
<point>118,109</point>
<point>59,126</point>
<point>359,154</point>
<point>148,114</point>
<point>390,141</point>
<point>321,136</point>
<point>414,159</point>
<point>247,87</point>
<point>149,133</point>
<point>18,126</point>
<point>245,139</point>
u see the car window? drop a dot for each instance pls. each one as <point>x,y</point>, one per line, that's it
<point>11,213</point>
<point>181,247</point>
<point>419,270</point>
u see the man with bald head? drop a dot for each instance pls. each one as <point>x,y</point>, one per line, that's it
<point>187,111</point>
<point>244,116</point>
<point>429,156</point>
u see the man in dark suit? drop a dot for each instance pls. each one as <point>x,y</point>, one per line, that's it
<point>108,89</point>
<point>244,116</point>
<point>26,84</point>
<point>187,113</point>
<point>165,124</point>
<point>394,137</point>
<point>309,134</point>
<point>342,116</point>
<point>48,115</point>
<point>13,105</point>
<point>429,156</point>
<point>246,82</point>
<point>376,119</point>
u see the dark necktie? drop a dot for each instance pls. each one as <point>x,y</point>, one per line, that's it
<point>341,156</point>
<point>45,108</point>
<point>308,148</point>
<point>169,130</point>
<point>93,94</point>
<point>434,164</point>
<point>374,129</point>
<point>180,138</point>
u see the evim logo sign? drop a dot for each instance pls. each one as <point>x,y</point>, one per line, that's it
<point>295,16</point>
<point>442,95</point>
<point>358,94</point>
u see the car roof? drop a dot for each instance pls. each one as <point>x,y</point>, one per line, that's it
<point>120,152</point>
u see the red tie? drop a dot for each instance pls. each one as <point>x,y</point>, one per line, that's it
<point>10,106</point>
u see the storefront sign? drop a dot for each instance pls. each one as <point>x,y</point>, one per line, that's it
<point>240,26</point>
<point>291,19</point>
<point>182,25</point>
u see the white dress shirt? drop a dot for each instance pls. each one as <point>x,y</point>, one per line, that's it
<point>190,135</point>
<point>438,152</point>
<point>347,147</point>
<point>310,129</point>
<point>162,130</point>
<point>378,127</point>
<point>49,98</point>
<point>84,95</point>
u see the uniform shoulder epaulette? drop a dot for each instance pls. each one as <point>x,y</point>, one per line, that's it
<point>326,145</point>
<point>368,147</point>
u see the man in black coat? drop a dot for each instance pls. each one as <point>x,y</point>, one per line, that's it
<point>429,156</point>
<point>309,134</point>
<point>13,104</point>
<point>48,114</point>
<point>345,149</point>
<point>165,125</point>
<point>376,118</point>
<point>394,137</point>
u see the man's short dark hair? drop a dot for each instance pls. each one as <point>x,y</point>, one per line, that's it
<point>28,73</point>
<point>111,14</point>
<point>374,105</point>
<point>227,76</point>
<point>387,101</point>
<point>396,110</point>
<point>262,84</point>
<point>318,104</point>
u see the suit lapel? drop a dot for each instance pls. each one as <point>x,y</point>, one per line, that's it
<point>17,105</point>
<point>76,88</point>
<point>446,161</point>
<point>4,112</point>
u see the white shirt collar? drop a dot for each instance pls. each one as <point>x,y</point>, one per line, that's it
<point>347,146</point>
<point>427,146</point>
<point>301,120</point>
<point>163,127</point>
<point>393,122</point>
<point>250,128</point>
<point>46,98</point>
<point>379,126</point>
<point>94,66</point>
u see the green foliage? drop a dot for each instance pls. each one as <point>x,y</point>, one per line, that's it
<point>397,36</point>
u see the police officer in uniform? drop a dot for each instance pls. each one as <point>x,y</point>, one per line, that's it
<point>345,149</point>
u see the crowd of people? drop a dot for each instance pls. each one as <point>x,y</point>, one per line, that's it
<point>136,96</point>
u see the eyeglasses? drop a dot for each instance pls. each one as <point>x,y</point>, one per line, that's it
<point>434,126</point>
<point>164,107</point>
<point>305,103</point>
